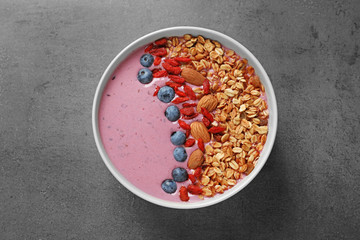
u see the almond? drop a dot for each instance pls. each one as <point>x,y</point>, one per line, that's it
<point>192,76</point>
<point>196,159</point>
<point>199,130</point>
<point>209,102</point>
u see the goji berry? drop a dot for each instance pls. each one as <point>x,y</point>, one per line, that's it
<point>180,99</point>
<point>216,129</point>
<point>182,59</point>
<point>206,122</point>
<point>190,117</point>
<point>206,86</point>
<point>206,114</point>
<point>176,70</point>
<point>193,189</point>
<point>161,41</point>
<point>197,172</point>
<point>190,142</point>
<point>156,90</point>
<point>189,92</point>
<point>192,178</point>
<point>149,47</point>
<point>201,144</point>
<point>177,79</point>
<point>155,70</point>
<point>173,85</point>
<point>157,61</point>
<point>189,104</point>
<point>184,125</point>
<point>172,62</point>
<point>187,133</point>
<point>180,93</point>
<point>187,111</point>
<point>184,194</point>
<point>160,52</point>
<point>171,69</point>
<point>159,74</point>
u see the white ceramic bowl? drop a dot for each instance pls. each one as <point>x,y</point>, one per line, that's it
<point>225,41</point>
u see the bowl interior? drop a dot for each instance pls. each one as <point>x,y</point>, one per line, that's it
<point>225,41</point>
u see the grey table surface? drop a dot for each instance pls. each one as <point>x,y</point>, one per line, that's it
<point>53,182</point>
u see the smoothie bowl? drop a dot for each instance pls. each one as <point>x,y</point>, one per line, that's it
<point>185,117</point>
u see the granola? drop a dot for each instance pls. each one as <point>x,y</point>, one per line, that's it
<point>231,99</point>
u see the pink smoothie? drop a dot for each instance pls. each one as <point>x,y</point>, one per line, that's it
<point>135,131</point>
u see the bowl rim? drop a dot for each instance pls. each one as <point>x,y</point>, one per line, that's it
<point>224,40</point>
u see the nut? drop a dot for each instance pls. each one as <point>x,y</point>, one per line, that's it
<point>196,159</point>
<point>199,130</point>
<point>209,102</point>
<point>192,76</point>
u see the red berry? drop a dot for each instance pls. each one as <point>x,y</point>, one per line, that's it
<point>184,194</point>
<point>193,189</point>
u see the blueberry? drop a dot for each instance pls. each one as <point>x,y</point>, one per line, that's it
<point>180,154</point>
<point>145,76</point>
<point>169,186</point>
<point>166,94</point>
<point>146,60</point>
<point>180,174</point>
<point>172,113</point>
<point>178,138</point>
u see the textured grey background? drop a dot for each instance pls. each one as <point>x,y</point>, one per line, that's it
<point>53,183</point>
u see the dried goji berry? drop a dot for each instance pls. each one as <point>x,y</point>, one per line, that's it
<point>160,52</point>
<point>149,47</point>
<point>156,90</point>
<point>176,70</point>
<point>190,117</point>
<point>201,144</point>
<point>187,133</point>
<point>197,172</point>
<point>177,79</point>
<point>157,61</point>
<point>172,62</point>
<point>182,59</point>
<point>171,69</point>
<point>155,70</point>
<point>159,74</point>
<point>189,104</point>
<point>192,178</point>
<point>174,85</point>
<point>190,142</point>
<point>206,114</point>
<point>206,86</point>
<point>184,125</point>
<point>180,99</point>
<point>184,194</point>
<point>193,189</point>
<point>216,129</point>
<point>180,93</point>
<point>189,92</point>
<point>187,111</point>
<point>161,41</point>
<point>206,122</point>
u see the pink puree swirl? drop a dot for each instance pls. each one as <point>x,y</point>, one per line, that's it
<point>135,131</point>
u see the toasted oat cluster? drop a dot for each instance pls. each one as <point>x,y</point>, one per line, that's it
<point>230,97</point>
